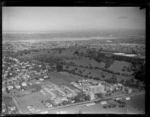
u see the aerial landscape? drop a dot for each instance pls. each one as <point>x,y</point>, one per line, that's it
<point>73,60</point>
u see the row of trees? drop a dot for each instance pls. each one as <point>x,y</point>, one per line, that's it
<point>112,80</point>
<point>51,59</point>
<point>140,74</point>
<point>81,97</point>
<point>99,56</point>
<point>132,60</point>
<point>99,95</point>
<point>132,83</point>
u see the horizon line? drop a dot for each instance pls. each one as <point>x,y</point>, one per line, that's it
<point>57,31</point>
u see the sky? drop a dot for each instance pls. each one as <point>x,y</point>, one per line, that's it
<point>71,18</point>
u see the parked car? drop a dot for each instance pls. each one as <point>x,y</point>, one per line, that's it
<point>105,107</point>
<point>41,79</point>
<point>109,106</point>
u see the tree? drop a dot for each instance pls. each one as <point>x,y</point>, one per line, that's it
<point>137,84</point>
<point>81,54</point>
<point>99,95</point>
<point>76,52</point>
<point>79,97</point>
<point>134,52</point>
<point>129,83</point>
<point>114,79</point>
<point>91,53</point>
<point>122,81</point>
<point>67,66</point>
<point>132,80</point>
<point>60,51</point>
<point>59,67</point>
<point>103,75</point>
<point>140,73</point>
<point>87,97</point>
<point>65,102</point>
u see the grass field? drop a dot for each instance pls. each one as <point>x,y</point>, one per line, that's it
<point>102,75</point>
<point>137,102</point>
<point>117,66</point>
<point>32,99</point>
<point>63,78</point>
<point>83,61</point>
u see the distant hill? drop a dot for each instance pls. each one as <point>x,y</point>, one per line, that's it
<point>92,34</point>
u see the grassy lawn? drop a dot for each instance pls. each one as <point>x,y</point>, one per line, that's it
<point>117,66</point>
<point>32,99</point>
<point>62,78</point>
<point>6,98</point>
<point>98,73</point>
<point>83,61</point>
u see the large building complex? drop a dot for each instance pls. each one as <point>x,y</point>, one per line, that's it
<point>90,87</point>
<point>57,94</point>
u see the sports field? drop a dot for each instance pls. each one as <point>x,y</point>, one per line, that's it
<point>32,99</point>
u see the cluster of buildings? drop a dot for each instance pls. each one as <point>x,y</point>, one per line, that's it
<point>18,46</point>
<point>58,94</point>
<point>9,107</point>
<point>92,87</point>
<point>123,47</point>
<point>21,74</point>
<point>18,75</point>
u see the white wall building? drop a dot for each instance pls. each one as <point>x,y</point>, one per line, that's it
<point>24,84</point>
<point>51,94</point>
<point>10,87</point>
<point>92,96</point>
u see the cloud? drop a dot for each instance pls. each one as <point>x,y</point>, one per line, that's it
<point>123,17</point>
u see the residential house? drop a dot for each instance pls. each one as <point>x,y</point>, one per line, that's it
<point>24,84</point>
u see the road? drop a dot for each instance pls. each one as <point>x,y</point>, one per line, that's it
<point>88,102</point>
<point>20,112</point>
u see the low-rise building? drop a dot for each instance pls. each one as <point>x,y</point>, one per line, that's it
<point>60,99</point>
<point>97,89</point>
<point>17,86</point>
<point>129,90</point>
<point>45,76</point>
<point>50,94</point>
<point>24,84</point>
<point>69,91</point>
<point>41,79</point>
<point>87,86</point>
<point>92,96</point>
<point>37,82</point>
<point>10,87</point>
<point>3,89</point>
<point>10,73</point>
